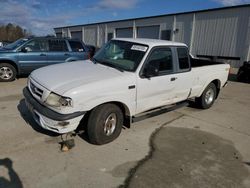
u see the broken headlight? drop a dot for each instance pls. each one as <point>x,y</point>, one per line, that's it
<point>58,101</point>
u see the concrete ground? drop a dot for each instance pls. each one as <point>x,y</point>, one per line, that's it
<point>185,148</point>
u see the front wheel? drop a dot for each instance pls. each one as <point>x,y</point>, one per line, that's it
<point>206,100</point>
<point>7,72</point>
<point>105,124</point>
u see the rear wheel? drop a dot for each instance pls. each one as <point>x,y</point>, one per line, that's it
<point>105,124</point>
<point>206,100</point>
<point>7,72</point>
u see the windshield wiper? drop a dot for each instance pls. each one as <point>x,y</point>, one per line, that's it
<point>112,65</point>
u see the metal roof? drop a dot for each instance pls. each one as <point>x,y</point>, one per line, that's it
<point>172,14</point>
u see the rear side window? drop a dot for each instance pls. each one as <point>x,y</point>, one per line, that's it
<point>183,58</point>
<point>76,46</point>
<point>57,46</point>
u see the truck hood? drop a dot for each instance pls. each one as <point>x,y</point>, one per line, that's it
<point>63,77</point>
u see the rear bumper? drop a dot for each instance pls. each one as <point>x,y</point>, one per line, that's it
<point>49,119</point>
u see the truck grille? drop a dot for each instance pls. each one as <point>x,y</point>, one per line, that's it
<point>35,90</point>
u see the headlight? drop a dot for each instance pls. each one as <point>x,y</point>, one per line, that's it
<point>58,101</point>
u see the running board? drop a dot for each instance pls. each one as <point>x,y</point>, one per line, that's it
<point>158,111</point>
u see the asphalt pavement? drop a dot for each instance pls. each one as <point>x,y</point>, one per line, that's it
<point>188,147</point>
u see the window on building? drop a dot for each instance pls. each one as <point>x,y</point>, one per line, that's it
<point>110,36</point>
<point>76,35</point>
<point>166,34</point>
<point>124,32</point>
<point>150,32</point>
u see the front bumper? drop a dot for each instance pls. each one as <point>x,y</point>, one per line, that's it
<point>49,119</point>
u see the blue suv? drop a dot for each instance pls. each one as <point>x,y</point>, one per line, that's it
<point>28,54</point>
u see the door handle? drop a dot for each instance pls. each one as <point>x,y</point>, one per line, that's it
<point>42,54</point>
<point>173,79</point>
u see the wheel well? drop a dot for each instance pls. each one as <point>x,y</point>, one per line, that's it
<point>126,113</point>
<point>11,63</point>
<point>122,106</point>
<point>217,84</point>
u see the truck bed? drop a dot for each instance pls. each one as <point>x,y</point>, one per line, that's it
<point>195,62</point>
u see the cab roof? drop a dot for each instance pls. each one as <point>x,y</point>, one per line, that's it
<point>151,42</point>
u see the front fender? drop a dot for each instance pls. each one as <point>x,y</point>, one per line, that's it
<point>12,61</point>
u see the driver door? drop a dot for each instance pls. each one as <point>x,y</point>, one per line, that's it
<point>33,55</point>
<point>158,89</point>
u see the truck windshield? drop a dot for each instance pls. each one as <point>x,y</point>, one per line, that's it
<point>123,55</point>
<point>15,44</point>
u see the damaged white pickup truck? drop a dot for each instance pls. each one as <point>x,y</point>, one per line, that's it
<point>126,78</point>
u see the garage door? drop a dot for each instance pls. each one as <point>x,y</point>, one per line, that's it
<point>150,32</point>
<point>59,35</point>
<point>124,32</point>
<point>76,35</point>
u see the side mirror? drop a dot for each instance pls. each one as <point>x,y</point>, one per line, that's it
<point>150,71</point>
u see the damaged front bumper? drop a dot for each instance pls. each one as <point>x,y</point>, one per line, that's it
<point>49,119</point>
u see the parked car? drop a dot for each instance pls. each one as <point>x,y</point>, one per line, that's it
<point>27,54</point>
<point>92,50</point>
<point>244,72</point>
<point>125,79</point>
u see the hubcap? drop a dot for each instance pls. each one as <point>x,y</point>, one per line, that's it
<point>110,124</point>
<point>5,73</point>
<point>209,96</point>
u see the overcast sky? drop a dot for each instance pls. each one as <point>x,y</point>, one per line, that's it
<point>41,16</point>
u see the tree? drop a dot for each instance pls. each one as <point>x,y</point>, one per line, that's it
<point>11,32</point>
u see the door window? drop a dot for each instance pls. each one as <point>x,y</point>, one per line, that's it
<point>57,46</point>
<point>76,46</point>
<point>161,60</point>
<point>36,46</point>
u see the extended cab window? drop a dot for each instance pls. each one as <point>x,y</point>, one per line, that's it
<point>76,46</point>
<point>161,60</point>
<point>36,46</point>
<point>57,46</point>
<point>183,58</point>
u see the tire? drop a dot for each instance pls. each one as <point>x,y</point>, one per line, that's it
<point>104,124</point>
<point>7,72</point>
<point>240,76</point>
<point>206,100</point>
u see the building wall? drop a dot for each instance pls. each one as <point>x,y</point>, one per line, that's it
<point>218,33</point>
<point>223,33</point>
<point>184,24</point>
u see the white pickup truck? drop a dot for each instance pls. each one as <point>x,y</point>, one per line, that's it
<point>126,77</point>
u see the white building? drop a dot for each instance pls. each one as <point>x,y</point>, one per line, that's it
<point>222,33</point>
